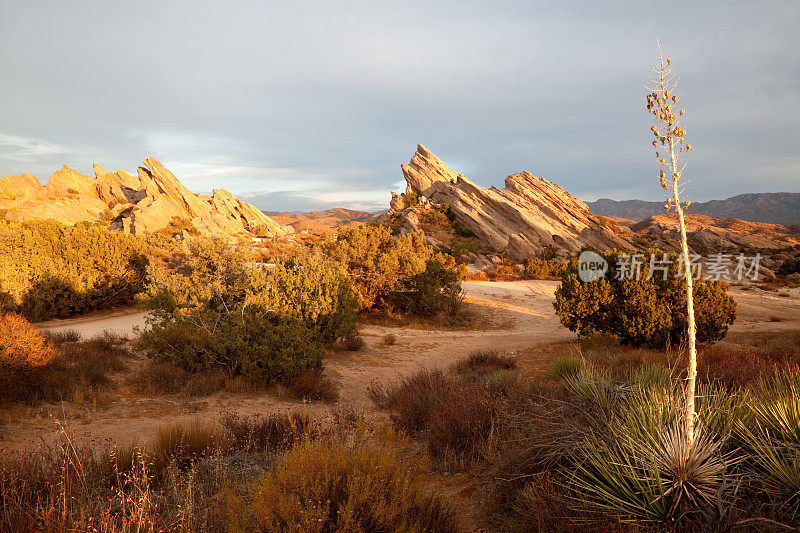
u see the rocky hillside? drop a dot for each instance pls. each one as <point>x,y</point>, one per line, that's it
<point>707,234</point>
<point>321,221</point>
<point>150,201</point>
<point>773,208</point>
<point>518,220</point>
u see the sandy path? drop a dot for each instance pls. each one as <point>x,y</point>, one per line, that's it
<point>518,316</point>
<point>119,321</point>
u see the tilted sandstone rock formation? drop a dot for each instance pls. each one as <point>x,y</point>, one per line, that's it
<point>520,219</point>
<point>150,201</point>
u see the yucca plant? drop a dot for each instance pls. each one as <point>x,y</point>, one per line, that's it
<point>642,468</point>
<point>662,102</point>
<point>565,366</point>
<point>657,479</point>
<point>649,375</point>
<point>771,432</point>
<point>590,384</point>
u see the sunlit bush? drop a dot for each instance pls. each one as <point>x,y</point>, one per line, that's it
<point>645,310</point>
<point>52,270</point>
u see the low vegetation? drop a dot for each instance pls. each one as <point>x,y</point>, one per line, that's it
<point>645,308</point>
<point>598,443</point>
<point>35,367</point>
<point>51,270</point>
<point>275,473</point>
<point>223,311</point>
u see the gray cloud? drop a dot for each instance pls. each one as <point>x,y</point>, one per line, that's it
<point>314,104</point>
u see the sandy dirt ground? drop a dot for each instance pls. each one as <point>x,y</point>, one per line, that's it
<point>514,317</point>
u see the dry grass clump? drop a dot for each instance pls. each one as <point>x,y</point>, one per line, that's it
<point>315,385</point>
<point>411,401</point>
<point>390,339</point>
<point>483,361</point>
<point>185,443</point>
<point>68,487</point>
<point>156,378</point>
<point>274,432</point>
<point>323,486</point>
<point>60,337</point>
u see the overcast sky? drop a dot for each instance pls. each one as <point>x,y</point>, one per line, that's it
<point>309,105</point>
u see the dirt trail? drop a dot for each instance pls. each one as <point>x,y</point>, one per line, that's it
<point>515,316</point>
<point>119,321</point>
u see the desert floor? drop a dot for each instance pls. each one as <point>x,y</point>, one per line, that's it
<point>515,317</point>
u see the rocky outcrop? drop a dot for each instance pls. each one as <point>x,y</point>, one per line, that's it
<point>519,220</point>
<point>152,200</point>
<point>705,233</point>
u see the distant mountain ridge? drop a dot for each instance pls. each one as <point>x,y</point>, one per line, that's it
<point>320,221</point>
<point>769,207</point>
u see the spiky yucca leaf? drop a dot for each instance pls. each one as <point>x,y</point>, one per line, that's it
<point>657,479</point>
<point>776,405</point>
<point>778,462</point>
<point>590,384</point>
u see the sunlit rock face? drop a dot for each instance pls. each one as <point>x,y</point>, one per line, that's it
<point>519,220</point>
<point>152,200</point>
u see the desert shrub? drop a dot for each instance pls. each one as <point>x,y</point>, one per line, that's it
<point>735,368</point>
<point>642,311</point>
<point>411,199</point>
<point>434,217</point>
<point>789,266</point>
<point>273,432</point>
<point>378,262</point>
<point>61,337</point>
<point>434,289</point>
<point>354,344</point>
<point>411,401</point>
<point>539,268</point>
<point>261,348</point>
<point>565,366</point>
<point>310,287</point>
<point>74,487</point>
<point>460,424</point>
<point>482,361</point>
<point>465,248</point>
<point>222,311</point>
<point>390,339</point>
<point>184,443</point>
<point>506,270</point>
<point>52,270</point>
<point>322,486</point>
<point>156,377</point>
<point>313,384</point>
<point>21,344</point>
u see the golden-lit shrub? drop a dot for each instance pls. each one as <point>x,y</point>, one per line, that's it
<point>21,344</point>
<point>52,270</point>
<point>330,487</point>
